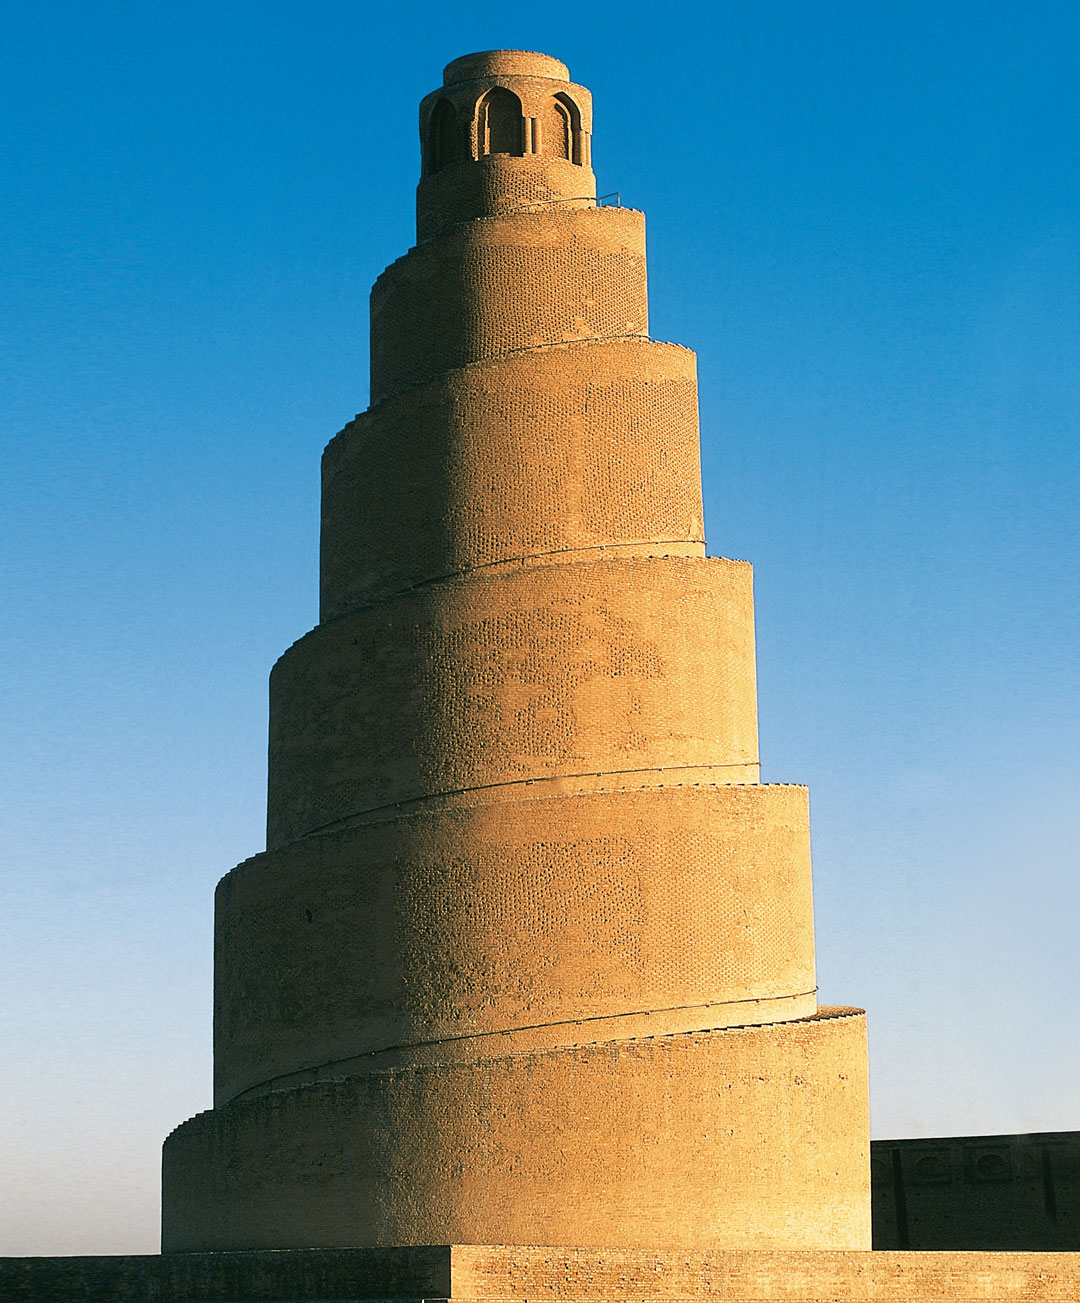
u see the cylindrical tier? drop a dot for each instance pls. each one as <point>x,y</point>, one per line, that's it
<point>542,454</point>
<point>509,677</point>
<point>507,129</point>
<point>745,1138</point>
<point>500,284</point>
<point>499,185</point>
<point>483,930</point>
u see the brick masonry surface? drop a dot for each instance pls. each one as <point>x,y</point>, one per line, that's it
<point>530,954</point>
<point>977,1192</point>
<point>474,1273</point>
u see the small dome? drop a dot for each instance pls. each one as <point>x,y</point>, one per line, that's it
<point>504,63</point>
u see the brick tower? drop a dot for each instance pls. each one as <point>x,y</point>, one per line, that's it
<point>529,956</point>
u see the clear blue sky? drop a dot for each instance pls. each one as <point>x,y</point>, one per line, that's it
<point>863,216</point>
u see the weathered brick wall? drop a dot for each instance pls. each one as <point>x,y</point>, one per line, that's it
<point>764,1277</point>
<point>530,957</point>
<point>631,910</point>
<point>536,673</point>
<point>515,460</point>
<point>501,284</point>
<point>491,1272</point>
<point>751,1136</point>
<point>299,1274</point>
<point>498,184</point>
<point>978,1192</point>
<point>470,1273</point>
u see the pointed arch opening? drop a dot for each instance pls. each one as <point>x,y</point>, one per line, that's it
<point>577,147</point>
<point>556,130</point>
<point>500,124</point>
<point>444,145</point>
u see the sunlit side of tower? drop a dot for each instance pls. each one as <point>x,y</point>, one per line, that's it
<point>529,957</point>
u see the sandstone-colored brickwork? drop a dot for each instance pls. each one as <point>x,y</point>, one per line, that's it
<point>526,925</point>
<point>500,134</point>
<point>589,667</point>
<point>522,459</point>
<point>501,284</point>
<point>496,1272</point>
<point>530,957</point>
<point>498,185</point>
<point>505,1273</point>
<point>741,1137</point>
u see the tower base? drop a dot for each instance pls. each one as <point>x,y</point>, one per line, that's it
<point>745,1137</point>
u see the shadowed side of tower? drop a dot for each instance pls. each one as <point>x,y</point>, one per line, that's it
<point>529,956</point>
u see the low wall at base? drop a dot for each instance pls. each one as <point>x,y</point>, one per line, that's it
<point>1014,1193</point>
<point>512,1274</point>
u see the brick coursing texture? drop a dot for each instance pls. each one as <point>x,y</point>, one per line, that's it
<point>529,957</point>
<point>516,1274</point>
<point>978,1192</point>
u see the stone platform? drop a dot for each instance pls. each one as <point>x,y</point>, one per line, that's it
<point>514,1274</point>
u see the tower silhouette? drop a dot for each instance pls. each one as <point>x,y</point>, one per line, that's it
<point>529,957</point>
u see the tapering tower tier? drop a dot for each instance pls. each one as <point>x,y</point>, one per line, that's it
<point>507,131</point>
<point>529,957</point>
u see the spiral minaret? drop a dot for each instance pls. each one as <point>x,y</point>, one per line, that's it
<point>529,957</point>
